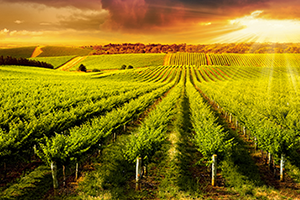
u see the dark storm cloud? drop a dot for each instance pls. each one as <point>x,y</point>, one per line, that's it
<point>154,14</point>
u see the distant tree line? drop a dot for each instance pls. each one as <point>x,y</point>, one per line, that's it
<point>250,47</point>
<point>8,60</point>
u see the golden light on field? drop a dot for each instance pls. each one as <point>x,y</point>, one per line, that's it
<point>257,29</point>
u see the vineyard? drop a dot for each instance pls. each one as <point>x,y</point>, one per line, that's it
<point>191,126</point>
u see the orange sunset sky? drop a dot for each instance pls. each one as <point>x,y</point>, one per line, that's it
<point>85,22</point>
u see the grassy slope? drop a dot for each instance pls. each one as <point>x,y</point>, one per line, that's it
<point>55,61</point>
<point>52,51</point>
<point>20,52</point>
<point>117,60</point>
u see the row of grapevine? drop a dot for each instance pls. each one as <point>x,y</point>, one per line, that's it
<point>210,138</point>
<point>178,59</point>
<point>63,148</point>
<point>72,127</point>
<point>273,124</point>
<point>152,132</point>
<point>255,60</point>
<point>22,126</point>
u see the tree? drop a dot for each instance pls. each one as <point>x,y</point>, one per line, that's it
<point>82,68</point>
<point>123,67</point>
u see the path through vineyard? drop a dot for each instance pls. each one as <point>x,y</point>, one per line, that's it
<point>70,64</point>
<point>38,50</point>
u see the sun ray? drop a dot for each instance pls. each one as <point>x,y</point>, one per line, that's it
<point>253,28</point>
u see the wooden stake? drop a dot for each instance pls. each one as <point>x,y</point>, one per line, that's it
<point>244,130</point>
<point>138,173</point>
<point>64,176</point>
<point>282,161</point>
<point>54,175</point>
<point>214,170</point>
<point>270,161</point>
<point>230,118</point>
<point>255,143</point>
<point>99,151</point>
<point>76,172</point>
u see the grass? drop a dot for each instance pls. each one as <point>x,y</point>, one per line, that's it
<point>20,52</point>
<point>178,181</point>
<point>116,61</point>
<point>55,61</point>
<point>54,51</point>
<point>31,186</point>
<point>109,179</point>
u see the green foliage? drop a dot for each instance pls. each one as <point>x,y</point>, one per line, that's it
<point>210,138</point>
<point>82,68</point>
<point>96,70</point>
<point>123,67</point>
<point>152,132</point>
<point>32,186</point>
<point>22,126</point>
<point>80,139</point>
<point>69,114</point>
<point>262,104</point>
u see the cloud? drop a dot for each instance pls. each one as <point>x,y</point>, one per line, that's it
<point>83,20</point>
<point>25,33</point>
<point>157,15</point>
<point>19,22</point>
<point>3,33</point>
<point>81,4</point>
<point>143,16</point>
<point>288,9</point>
<point>45,24</point>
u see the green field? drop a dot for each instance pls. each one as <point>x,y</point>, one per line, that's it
<point>174,118</point>
<point>20,52</point>
<point>116,61</point>
<point>54,51</point>
<point>55,61</point>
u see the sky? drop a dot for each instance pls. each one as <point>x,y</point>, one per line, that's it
<point>91,22</point>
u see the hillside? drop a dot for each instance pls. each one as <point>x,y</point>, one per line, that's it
<point>52,51</point>
<point>20,52</point>
<point>116,61</point>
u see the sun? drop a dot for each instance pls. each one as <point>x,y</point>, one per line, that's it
<point>256,29</point>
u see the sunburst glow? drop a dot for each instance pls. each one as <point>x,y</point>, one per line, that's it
<point>255,28</point>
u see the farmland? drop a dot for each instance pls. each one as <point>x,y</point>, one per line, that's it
<point>54,51</point>
<point>91,130</point>
<point>116,61</point>
<point>55,61</point>
<point>20,52</point>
